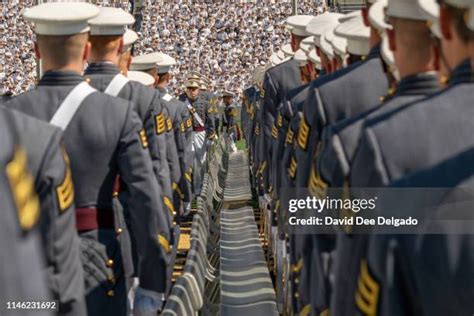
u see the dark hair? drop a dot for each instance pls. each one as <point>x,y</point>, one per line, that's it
<point>458,16</point>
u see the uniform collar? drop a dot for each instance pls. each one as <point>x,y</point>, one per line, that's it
<point>462,73</point>
<point>161,90</point>
<point>374,52</point>
<point>422,83</point>
<point>60,78</point>
<point>102,67</point>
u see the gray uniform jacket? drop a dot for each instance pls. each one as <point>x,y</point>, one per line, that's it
<point>149,109</point>
<point>51,174</point>
<point>22,273</point>
<point>105,139</point>
<point>278,81</point>
<point>335,160</point>
<point>178,150</point>
<point>425,273</point>
<point>335,97</point>
<point>420,149</point>
<point>201,107</point>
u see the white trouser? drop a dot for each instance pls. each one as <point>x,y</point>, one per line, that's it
<point>199,153</point>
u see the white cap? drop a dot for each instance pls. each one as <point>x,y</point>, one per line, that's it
<point>129,38</point>
<point>141,77</point>
<point>227,93</point>
<point>325,41</point>
<point>315,59</point>
<point>110,21</point>
<point>192,84</point>
<point>297,24</point>
<point>339,45</point>
<point>300,58</point>
<point>470,19</point>
<point>430,8</point>
<point>321,23</point>
<point>287,50</point>
<point>405,9</point>
<point>274,59</point>
<point>357,35</point>
<point>350,15</point>
<point>377,16</point>
<point>164,65</point>
<point>146,62</point>
<point>307,44</point>
<point>61,18</point>
<point>280,54</point>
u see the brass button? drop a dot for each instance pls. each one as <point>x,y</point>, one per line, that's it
<point>88,80</point>
<point>115,194</point>
<point>111,279</point>
<point>109,263</point>
<point>110,293</point>
<point>297,280</point>
<point>297,295</point>
<point>119,231</point>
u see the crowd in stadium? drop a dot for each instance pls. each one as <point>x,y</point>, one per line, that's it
<point>221,40</point>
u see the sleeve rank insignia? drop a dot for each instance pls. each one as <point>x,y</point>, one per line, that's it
<point>65,190</point>
<point>280,120</point>
<point>23,191</point>
<point>163,242</point>
<point>367,293</point>
<point>274,132</point>
<point>189,122</point>
<point>317,187</point>
<point>289,136</point>
<point>293,167</point>
<point>160,123</point>
<point>183,127</point>
<point>142,137</point>
<point>303,134</point>
<point>169,122</point>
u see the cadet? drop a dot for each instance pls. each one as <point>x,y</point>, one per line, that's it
<point>405,286</point>
<point>104,139</point>
<point>211,100</point>
<point>203,128</point>
<point>286,112</point>
<point>416,59</point>
<point>47,162</point>
<point>230,112</point>
<point>147,63</point>
<point>180,115</point>
<point>395,166</point>
<point>278,81</point>
<point>256,129</point>
<point>330,100</point>
<point>106,37</point>
<point>22,274</point>
<point>447,110</point>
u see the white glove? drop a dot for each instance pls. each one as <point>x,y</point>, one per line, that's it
<point>261,202</point>
<point>147,303</point>
<point>267,198</point>
<point>131,292</point>
<point>187,209</point>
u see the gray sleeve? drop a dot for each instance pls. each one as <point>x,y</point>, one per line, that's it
<point>156,127</point>
<point>58,224</point>
<point>149,219</point>
<point>368,169</point>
